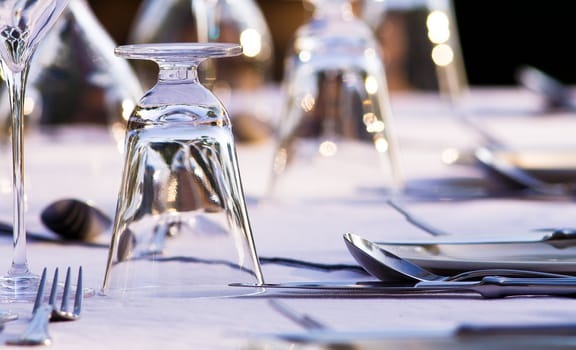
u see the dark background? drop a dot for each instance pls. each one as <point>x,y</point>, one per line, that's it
<point>497,36</point>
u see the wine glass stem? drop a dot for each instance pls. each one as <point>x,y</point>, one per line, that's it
<point>16,87</point>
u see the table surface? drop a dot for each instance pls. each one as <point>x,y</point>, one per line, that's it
<point>308,224</point>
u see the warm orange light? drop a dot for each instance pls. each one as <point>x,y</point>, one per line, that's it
<point>251,42</point>
<point>442,55</point>
<point>327,149</point>
<point>438,26</point>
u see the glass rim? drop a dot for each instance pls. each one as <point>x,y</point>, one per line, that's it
<point>181,50</point>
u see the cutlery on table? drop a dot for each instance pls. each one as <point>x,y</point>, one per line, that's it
<point>515,177</point>
<point>380,263</point>
<point>402,277</point>
<point>506,175</point>
<point>7,230</point>
<point>64,312</point>
<point>389,267</point>
<point>319,332</point>
<point>489,287</point>
<point>44,312</point>
<point>73,220</point>
<point>556,93</point>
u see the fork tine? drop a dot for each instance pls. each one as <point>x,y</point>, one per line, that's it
<point>54,290</point>
<point>40,292</point>
<point>79,293</point>
<point>66,292</point>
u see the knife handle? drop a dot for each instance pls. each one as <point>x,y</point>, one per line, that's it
<point>499,287</point>
<point>541,329</point>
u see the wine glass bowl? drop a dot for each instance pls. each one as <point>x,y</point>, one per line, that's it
<point>23,24</point>
<point>76,82</point>
<point>79,79</point>
<point>181,226</point>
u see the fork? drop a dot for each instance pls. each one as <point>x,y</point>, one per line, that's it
<point>43,312</point>
<point>63,313</point>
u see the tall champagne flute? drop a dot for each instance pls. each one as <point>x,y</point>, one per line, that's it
<point>23,23</point>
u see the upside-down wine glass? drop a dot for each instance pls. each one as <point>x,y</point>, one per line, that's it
<point>242,82</point>
<point>181,226</point>
<point>23,24</point>
<point>238,21</point>
<point>335,94</point>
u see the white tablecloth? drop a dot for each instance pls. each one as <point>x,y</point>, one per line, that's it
<point>307,225</point>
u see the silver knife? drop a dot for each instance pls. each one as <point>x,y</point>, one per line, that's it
<point>488,287</point>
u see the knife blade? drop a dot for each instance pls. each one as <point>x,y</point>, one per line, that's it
<point>488,287</point>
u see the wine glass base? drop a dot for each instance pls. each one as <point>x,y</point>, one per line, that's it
<point>24,289</point>
<point>18,288</point>
<point>204,291</point>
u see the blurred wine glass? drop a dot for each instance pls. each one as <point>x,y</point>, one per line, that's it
<point>421,45</point>
<point>238,81</point>
<point>335,94</point>
<point>447,53</point>
<point>77,81</point>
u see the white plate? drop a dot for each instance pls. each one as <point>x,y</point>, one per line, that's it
<point>453,258</point>
<point>553,165</point>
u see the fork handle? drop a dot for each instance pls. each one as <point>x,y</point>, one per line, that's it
<point>37,331</point>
